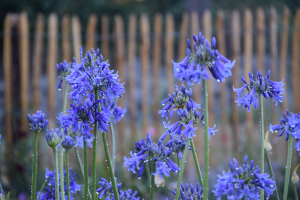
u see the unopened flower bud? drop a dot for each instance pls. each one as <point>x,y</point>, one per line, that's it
<point>295,178</point>
<point>159,182</point>
<point>267,145</point>
<point>54,137</point>
<point>68,142</point>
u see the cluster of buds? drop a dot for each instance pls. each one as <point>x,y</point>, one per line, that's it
<point>190,192</point>
<point>37,122</point>
<point>54,137</point>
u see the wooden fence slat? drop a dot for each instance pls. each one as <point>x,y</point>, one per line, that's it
<point>295,58</point>
<point>195,29</point>
<point>145,46</point>
<point>156,68</point>
<point>76,33</point>
<point>37,61</point>
<point>236,50</point>
<point>221,43</point>
<point>248,49</point>
<point>260,41</point>
<point>183,35</point>
<point>66,54</point>
<point>169,48</point>
<point>91,33</point>
<point>24,67</point>
<point>51,67</point>
<point>104,36</point>
<point>7,65</point>
<point>119,57</point>
<point>283,53</point>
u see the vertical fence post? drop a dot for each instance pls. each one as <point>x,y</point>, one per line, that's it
<point>169,47</point>
<point>76,34</point>
<point>51,67</point>
<point>66,54</point>
<point>24,67</point>
<point>183,35</point>
<point>225,134</point>
<point>145,46</point>
<point>7,65</point>
<point>236,50</point>
<point>248,51</point>
<point>37,60</point>
<point>119,57</point>
<point>105,36</point>
<point>295,57</point>
<point>156,68</point>
<point>195,29</point>
<point>260,41</point>
<point>91,33</point>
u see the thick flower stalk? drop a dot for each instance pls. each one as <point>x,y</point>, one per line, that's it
<point>49,192</point>
<point>243,182</point>
<point>37,123</point>
<point>106,190</point>
<point>290,126</point>
<point>190,192</point>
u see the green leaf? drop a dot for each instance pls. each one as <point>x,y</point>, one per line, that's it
<point>8,196</point>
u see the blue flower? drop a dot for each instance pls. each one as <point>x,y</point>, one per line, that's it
<point>189,130</point>
<point>67,142</point>
<point>190,192</point>
<point>162,169</point>
<point>109,107</point>
<point>63,70</point>
<point>194,66</point>
<point>54,137</point>
<point>259,85</point>
<point>37,121</point>
<point>106,189</point>
<point>243,182</point>
<point>49,194</point>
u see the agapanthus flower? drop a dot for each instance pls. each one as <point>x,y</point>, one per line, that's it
<point>37,122</point>
<point>109,107</point>
<point>106,189</point>
<point>177,145</point>
<point>259,85</point>
<point>93,74</point>
<point>289,125</point>
<point>189,192</point>
<point>202,56</point>
<point>68,142</point>
<point>49,194</point>
<point>63,70</point>
<point>54,137</point>
<point>243,182</point>
<point>146,150</point>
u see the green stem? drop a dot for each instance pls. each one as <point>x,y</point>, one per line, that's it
<point>197,163</point>
<point>295,192</point>
<point>61,172</point>
<point>272,174</point>
<point>81,168</point>
<point>111,172</point>
<point>206,141</point>
<point>67,174</point>
<point>262,137</point>
<point>178,162</point>
<point>85,167</point>
<point>186,149</point>
<point>61,152</point>
<point>94,151</point>
<point>34,167</point>
<point>56,174</point>
<point>288,168</point>
<point>43,186</point>
<point>152,182</point>
<point>113,145</point>
<point>149,173</point>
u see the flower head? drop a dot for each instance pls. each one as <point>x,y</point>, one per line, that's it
<point>259,85</point>
<point>50,190</point>
<point>37,121</point>
<point>63,70</point>
<point>243,182</point>
<point>190,192</point>
<point>54,137</point>
<point>67,142</point>
<point>202,56</point>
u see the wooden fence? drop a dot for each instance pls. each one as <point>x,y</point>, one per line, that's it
<point>143,58</point>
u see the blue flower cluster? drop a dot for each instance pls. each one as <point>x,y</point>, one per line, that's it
<point>106,189</point>
<point>193,67</point>
<point>109,107</point>
<point>49,194</point>
<point>54,137</point>
<point>259,85</point>
<point>146,150</point>
<point>189,192</point>
<point>243,182</point>
<point>289,125</point>
<point>37,122</point>
<point>68,142</point>
<point>63,70</point>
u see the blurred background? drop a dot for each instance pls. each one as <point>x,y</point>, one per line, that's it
<point>141,38</point>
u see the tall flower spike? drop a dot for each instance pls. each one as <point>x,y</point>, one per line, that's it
<point>194,66</point>
<point>259,85</point>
